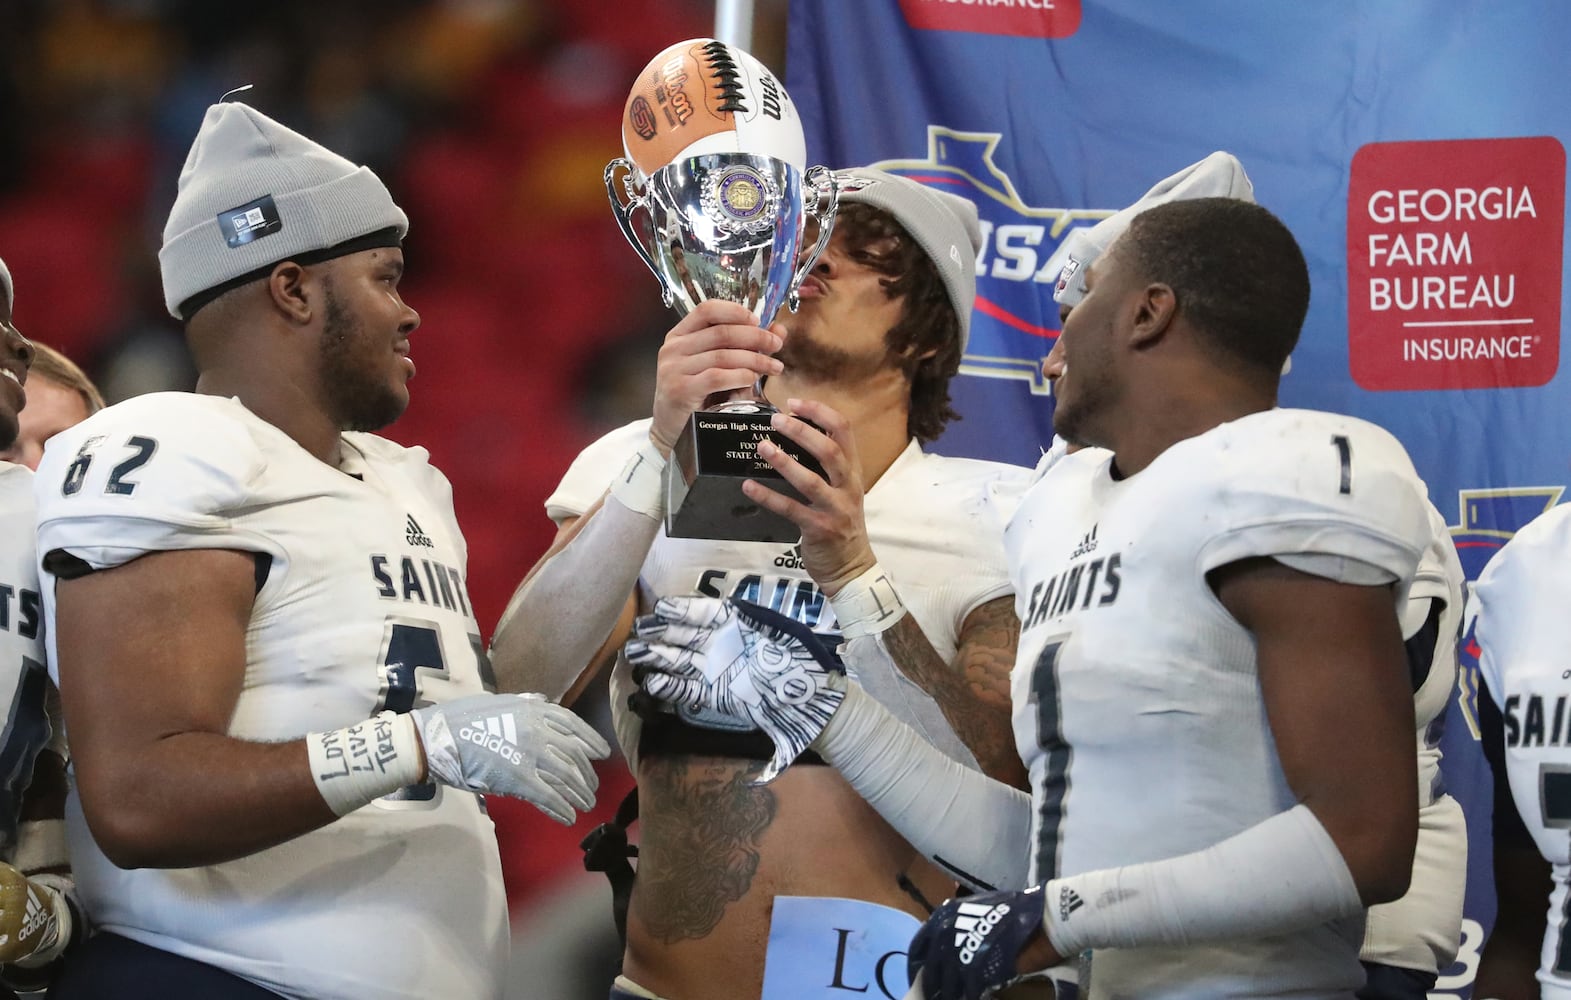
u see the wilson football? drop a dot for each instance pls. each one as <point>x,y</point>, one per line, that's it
<point>705,96</point>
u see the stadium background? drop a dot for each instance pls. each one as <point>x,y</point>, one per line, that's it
<point>491,120</point>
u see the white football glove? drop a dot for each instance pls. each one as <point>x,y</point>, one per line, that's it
<point>519,745</point>
<point>742,661</point>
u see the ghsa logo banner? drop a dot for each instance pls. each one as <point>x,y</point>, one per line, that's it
<point>1015,320</point>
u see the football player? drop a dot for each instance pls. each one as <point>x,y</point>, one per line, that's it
<point>1522,634</point>
<point>38,917</point>
<point>900,556</point>
<point>1406,942</point>
<point>271,673</point>
<point>1211,689</point>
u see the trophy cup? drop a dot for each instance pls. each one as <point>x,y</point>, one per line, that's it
<point>718,222</point>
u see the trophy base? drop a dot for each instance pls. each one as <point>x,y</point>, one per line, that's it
<point>716,453</point>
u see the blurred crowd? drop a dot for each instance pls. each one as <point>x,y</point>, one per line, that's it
<point>490,120</point>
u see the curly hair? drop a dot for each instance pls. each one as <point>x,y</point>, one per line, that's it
<point>927,335</point>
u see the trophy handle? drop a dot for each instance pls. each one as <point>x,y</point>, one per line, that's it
<point>820,180</point>
<point>623,202</point>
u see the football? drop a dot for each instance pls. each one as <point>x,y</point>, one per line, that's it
<point>705,96</point>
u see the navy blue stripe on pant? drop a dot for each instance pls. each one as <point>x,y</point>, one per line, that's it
<point>110,967</point>
<point>1387,982</point>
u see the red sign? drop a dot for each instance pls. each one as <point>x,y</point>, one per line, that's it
<point>1026,18</point>
<point>1453,263</point>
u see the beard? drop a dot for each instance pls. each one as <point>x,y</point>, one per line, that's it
<point>1067,425</point>
<point>814,361</point>
<point>361,400</point>
<point>1076,419</point>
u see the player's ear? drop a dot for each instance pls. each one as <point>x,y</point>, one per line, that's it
<point>287,288</point>
<point>1154,312</point>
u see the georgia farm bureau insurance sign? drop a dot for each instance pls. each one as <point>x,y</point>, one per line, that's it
<point>1453,263</point>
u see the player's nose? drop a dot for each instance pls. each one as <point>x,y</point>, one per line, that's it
<point>18,346</point>
<point>1053,364</point>
<point>408,320</point>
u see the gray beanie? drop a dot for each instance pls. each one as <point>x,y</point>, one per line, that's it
<point>5,286</point>
<point>1219,175</point>
<point>254,193</point>
<point>944,226</point>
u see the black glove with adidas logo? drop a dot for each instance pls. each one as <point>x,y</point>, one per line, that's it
<point>971,945</point>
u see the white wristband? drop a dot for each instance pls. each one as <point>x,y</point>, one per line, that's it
<point>358,764</point>
<point>639,487</point>
<point>40,845</point>
<point>867,605</point>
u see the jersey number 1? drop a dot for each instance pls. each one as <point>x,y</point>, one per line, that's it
<point>1055,749</point>
<point>1344,451</point>
<point>1554,798</point>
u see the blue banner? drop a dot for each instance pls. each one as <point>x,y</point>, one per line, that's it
<point>1417,151</point>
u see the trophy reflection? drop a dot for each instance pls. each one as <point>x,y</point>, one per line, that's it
<point>718,223</point>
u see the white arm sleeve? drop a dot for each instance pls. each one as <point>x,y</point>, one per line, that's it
<point>1279,875</point>
<point>561,614</point>
<point>975,828</point>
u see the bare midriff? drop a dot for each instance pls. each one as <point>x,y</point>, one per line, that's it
<point>714,852</point>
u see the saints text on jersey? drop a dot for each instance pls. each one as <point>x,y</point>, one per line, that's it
<point>1528,725</point>
<point>19,610</point>
<point>443,585</point>
<point>1083,581</point>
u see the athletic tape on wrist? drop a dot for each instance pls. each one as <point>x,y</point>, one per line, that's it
<point>40,844</point>
<point>360,763</point>
<point>639,487</point>
<point>867,605</point>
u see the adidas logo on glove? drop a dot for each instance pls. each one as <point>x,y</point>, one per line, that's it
<point>498,734</point>
<point>972,925</point>
<point>35,917</point>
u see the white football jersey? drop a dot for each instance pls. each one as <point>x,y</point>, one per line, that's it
<point>1136,695</point>
<point>1524,631</point>
<point>363,608</point>
<point>932,522</point>
<point>1423,929</point>
<point>23,682</point>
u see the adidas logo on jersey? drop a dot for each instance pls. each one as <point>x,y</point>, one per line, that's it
<point>1068,902</point>
<point>498,734</point>
<point>791,559</point>
<point>1087,544</point>
<point>972,925</point>
<point>415,536</point>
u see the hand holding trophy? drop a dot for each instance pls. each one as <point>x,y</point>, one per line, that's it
<point>714,196</point>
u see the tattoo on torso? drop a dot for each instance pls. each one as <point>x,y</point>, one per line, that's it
<point>702,850</point>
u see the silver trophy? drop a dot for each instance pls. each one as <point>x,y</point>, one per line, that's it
<point>726,226</point>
